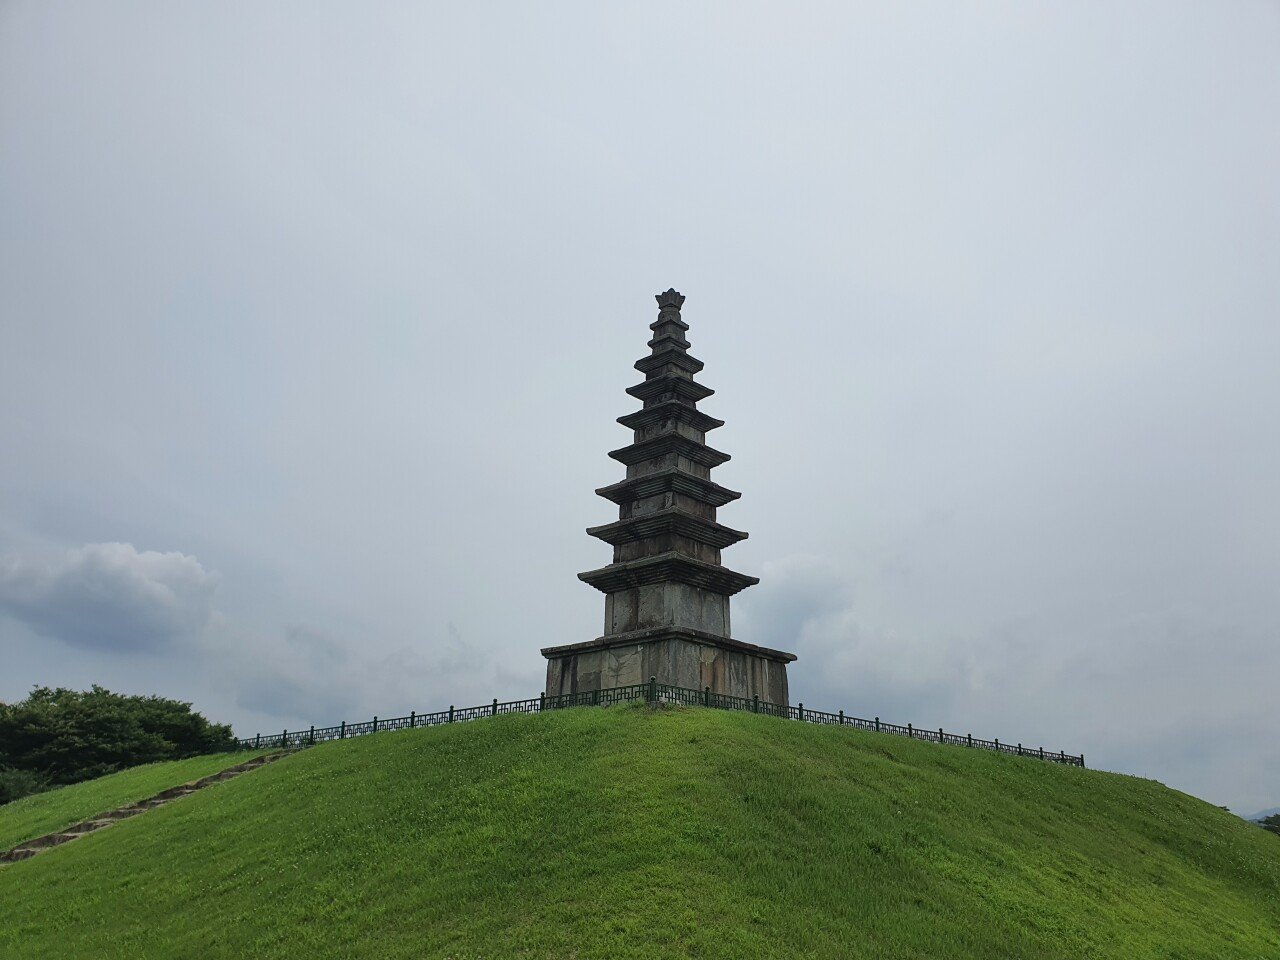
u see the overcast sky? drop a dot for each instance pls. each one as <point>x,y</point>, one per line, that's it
<point>317,317</point>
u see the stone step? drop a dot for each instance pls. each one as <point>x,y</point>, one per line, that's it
<point>138,808</point>
<point>31,847</point>
<point>175,792</point>
<point>49,840</point>
<point>123,813</point>
<point>217,778</point>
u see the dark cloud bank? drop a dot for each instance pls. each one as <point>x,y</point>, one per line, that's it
<point>108,596</point>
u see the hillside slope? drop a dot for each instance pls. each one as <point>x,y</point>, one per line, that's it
<point>46,812</point>
<point>625,832</point>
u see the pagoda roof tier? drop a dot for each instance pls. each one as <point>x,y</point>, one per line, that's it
<point>669,520</point>
<point>668,316</point>
<point>669,338</point>
<point>669,356</point>
<point>651,634</point>
<point>667,443</point>
<point>682,387</point>
<point>668,480</point>
<point>669,567</point>
<point>670,410</point>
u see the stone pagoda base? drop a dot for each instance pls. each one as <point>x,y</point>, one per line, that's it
<point>678,657</point>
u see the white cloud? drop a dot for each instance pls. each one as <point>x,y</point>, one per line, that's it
<point>109,596</point>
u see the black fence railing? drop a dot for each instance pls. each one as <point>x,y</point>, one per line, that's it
<point>653,692</point>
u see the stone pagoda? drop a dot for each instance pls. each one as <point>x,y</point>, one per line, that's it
<point>666,608</point>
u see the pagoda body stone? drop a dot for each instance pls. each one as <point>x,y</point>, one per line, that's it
<point>666,608</point>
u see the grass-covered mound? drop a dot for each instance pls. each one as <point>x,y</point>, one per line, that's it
<point>624,832</point>
<point>43,813</point>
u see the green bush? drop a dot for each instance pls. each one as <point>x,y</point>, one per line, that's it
<point>20,783</point>
<point>63,736</point>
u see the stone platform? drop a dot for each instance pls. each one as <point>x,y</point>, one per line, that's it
<point>681,658</point>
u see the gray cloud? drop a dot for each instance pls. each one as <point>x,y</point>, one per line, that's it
<point>314,678</point>
<point>110,596</point>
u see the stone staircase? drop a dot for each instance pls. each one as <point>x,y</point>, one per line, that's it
<point>29,848</point>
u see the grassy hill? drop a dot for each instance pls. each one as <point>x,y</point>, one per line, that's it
<point>626,832</point>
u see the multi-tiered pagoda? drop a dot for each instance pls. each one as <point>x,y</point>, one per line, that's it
<point>666,608</point>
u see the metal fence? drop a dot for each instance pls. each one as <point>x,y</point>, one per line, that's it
<point>651,692</point>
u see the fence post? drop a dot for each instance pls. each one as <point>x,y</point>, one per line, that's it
<point>997,744</point>
<point>941,737</point>
<point>969,737</point>
<point>706,696</point>
<point>542,701</point>
<point>451,713</point>
<point>1019,749</point>
<point>842,718</point>
<point>877,724</point>
<point>494,713</point>
<point>257,741</point>
<point>312,737</point>
<point>755,703</point>
<point>343,734</point>
<point>910,731</point>
<point>284,738</point>
<point>1042,753</point>
<point>1082,760</point>
<point>653,689</point>
<point>802,710</point>
<point>413,719</point>
<point>595,697</point>
<point>375,724</point>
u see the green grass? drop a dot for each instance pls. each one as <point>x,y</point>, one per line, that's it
<point>43,813</point>
<point>625,832</point>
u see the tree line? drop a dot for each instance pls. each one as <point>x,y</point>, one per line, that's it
<point>54,737</point>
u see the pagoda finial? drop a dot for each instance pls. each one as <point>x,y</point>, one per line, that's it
<point>671,299</point>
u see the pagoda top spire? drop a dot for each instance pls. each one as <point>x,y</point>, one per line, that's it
<point>671,299</point>
<point>669,329</point>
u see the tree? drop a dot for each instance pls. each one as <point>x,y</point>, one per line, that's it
<point>63,736</point>
<point>20,783</point>
<point>1271,823</point>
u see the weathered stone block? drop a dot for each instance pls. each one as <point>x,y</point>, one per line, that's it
<point>679,658</point>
